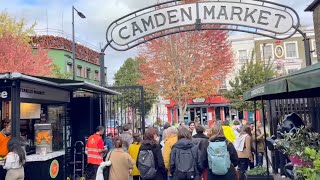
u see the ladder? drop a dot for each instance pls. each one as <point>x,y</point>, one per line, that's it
<point>78,160</point>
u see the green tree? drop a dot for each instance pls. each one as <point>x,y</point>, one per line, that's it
<point>56,73</point>
<point>250,75</point>
<point>128,75</point>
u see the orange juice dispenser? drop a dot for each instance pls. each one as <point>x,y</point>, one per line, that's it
<point>43,138</point>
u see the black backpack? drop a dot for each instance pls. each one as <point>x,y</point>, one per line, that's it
<point>185,165</point>
<point>146,164</point>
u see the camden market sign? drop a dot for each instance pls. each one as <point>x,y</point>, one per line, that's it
<point>254,16</point>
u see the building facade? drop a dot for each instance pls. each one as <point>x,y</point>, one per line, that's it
<point>60,50</point>
<point>288,55</point>
<point>315,8</point>
<point>207,110</point>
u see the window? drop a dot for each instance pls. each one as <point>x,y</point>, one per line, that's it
<point>223,84</point>
<point>69,67</point>
<point>88,73</point>
<point>243,55</point>
<point>267,51</point>
<point>314,47</point>
<point>79,70</point>
<point>96,75</point>
<point>291,49</point>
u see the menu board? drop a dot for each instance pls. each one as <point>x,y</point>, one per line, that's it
<point>30,111</point>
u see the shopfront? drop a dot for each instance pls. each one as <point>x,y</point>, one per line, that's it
<point>207,110</point>
<point>38,110</point>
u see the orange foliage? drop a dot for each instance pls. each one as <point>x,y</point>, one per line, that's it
<point>186,65</point>
<point>18,56</point>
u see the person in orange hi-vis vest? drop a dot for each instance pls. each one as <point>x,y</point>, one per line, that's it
<point>5,136</point>
<point>95,149</point>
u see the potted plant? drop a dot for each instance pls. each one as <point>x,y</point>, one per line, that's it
<point>258,173</point>
<point>301,146</point>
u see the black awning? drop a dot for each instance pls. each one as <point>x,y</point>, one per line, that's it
<point>66,84</point>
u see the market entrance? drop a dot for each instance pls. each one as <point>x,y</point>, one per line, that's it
<point>127,108</point>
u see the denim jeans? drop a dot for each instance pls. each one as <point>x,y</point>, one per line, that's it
<point>243,167</point>
<point>260,159</point>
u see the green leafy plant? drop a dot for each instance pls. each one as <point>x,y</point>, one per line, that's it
<point>259,170</point>
<point>312,172</point>
<point>295,142</point>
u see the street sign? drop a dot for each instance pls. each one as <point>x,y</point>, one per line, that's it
<point>253,16</point>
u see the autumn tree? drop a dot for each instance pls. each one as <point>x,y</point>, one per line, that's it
<point>16,53</point>
<point>18,56</point>
<point>250,75</point>
<point>17,28</point>
<point>186,65</point>
<point>129,75</point>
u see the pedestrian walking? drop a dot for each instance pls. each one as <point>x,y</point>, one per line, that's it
<point>201,141</point>
<point>192,128</point>
<point>220,156</point>
<point>133,152</point>
<point>172,138</point>
<point>95,148</point>
<point>228,132</point>
<point>185,160</point>
<point>150,160</point>
<point>236,128</point>
<point>243,146</point>
<point>121,162</point>
<point>15,160</point>
<point>108,141</point>
<point>258,140</point>
<point>126,136</point>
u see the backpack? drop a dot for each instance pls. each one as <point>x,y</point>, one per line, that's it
<point>146,164</point>
<point>185,167</point>
<point>219,158</point>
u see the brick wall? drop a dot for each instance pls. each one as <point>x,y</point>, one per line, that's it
<point>316,19</point>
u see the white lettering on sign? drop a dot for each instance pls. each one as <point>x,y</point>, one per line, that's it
<point>4,94</point>
<point>199,100</point>
<point>257,91</point>
<point>267,18</point>
<point>32,91</point>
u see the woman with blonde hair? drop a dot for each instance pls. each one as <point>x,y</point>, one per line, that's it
<point>221,157</point>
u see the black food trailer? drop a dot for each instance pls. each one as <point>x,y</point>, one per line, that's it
<point>48,115</point>
<point>298,92</point>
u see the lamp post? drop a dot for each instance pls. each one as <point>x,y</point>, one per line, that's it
<point>73,41</point>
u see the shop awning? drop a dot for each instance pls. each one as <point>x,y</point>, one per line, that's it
<point>271,88</point>
<point>61,83</point>
<point>303,83</point>
<point>305,79</point>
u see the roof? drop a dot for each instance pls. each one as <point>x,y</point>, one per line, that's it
<point>60,83</point>
<point>302,83</point>
<point>313,5</point>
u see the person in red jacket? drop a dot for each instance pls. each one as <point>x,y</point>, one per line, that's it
<point>95,149</point>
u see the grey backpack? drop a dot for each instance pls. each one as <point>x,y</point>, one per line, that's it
<point>146,164</point>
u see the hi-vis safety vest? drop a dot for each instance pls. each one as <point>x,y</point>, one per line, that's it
<point>4,144</point>
<point>94,157</point>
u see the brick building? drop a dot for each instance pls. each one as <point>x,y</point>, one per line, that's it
<point>315,8</point>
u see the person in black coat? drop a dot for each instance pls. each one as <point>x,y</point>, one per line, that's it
<point>185,143</point>
<point>151,142</point>
<point>218,136</point>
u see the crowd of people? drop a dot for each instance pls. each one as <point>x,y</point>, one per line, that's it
<point>225,151</point>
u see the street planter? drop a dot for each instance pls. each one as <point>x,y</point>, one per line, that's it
<point>259,177</point>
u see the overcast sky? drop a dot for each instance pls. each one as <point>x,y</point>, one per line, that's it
<point>56,15</point>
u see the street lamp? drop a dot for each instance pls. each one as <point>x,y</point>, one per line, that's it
<point>73,41</point>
